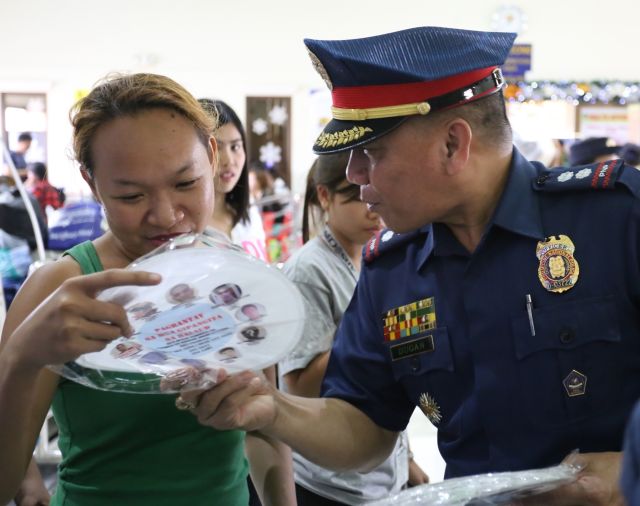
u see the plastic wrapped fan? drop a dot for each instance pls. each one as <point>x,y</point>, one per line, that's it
<point>216,307</point>
<point>486,489</point>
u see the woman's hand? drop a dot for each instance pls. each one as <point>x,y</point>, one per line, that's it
<point>71,322</point>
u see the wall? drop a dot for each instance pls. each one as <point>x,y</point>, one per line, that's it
<point>251,47</point>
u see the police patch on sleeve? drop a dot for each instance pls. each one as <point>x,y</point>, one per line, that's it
<point>597,176</point>
<point>383,241</point>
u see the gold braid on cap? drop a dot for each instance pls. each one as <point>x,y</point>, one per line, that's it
<point>391,111</point>
<point>488,84</point>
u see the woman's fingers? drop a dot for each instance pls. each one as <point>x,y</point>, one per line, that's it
<point>71,322</point>
<point>94,283</point>
<point>103,320</point>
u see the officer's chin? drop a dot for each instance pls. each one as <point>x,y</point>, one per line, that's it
<point>401,228</point>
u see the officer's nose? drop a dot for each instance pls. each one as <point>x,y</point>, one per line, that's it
<point>357,168</point>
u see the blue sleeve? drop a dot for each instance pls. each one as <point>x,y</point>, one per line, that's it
<point>630,477</point>
<point>359,369</point>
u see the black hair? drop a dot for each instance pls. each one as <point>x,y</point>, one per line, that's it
<point>330,171</point>
<point>238,198</point>
<point>39,169</point>
<point>488,118</point>
<point>25,136</point>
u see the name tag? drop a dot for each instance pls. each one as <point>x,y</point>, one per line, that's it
<point>412,348</point>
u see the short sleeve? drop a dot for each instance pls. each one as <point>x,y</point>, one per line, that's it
<point>630,477</point>
<point>319,326</point>
<point>359,369</point>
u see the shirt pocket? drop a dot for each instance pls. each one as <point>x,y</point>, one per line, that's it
<point>426,371</point>
<point>563,371</point>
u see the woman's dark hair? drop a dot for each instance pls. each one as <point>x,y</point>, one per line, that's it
<point>330,172</point>
<point>238,198</point>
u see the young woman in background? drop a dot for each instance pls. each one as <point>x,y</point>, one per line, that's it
<point>233,214</point>
<point>326,270</point>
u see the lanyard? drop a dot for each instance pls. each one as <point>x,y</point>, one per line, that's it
<point>338,250</point>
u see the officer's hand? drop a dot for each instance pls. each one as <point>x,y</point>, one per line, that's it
<point>597,484</point>
<point>241,401</point>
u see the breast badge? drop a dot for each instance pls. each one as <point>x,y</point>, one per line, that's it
<point>575,383</point>
<point>558,270</point>
<point>430,408</point>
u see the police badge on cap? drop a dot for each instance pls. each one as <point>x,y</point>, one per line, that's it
<point>378,82</point>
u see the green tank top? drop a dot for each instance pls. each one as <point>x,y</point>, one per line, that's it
<point>138,449</point>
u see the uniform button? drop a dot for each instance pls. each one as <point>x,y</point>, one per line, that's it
<point>415,364</point>
<point>566,335</point>
<point>542,179</point>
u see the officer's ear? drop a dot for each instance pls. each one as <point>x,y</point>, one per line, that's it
<point>458,142</point>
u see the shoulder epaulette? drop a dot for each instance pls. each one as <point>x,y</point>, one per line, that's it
<point>596,176</point>
<point>383,241</point>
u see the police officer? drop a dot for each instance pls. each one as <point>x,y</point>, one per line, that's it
<point>630,153</point>
<point>593,150</point>
<point>503,301</point>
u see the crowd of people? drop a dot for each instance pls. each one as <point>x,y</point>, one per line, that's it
<point>441,270</point>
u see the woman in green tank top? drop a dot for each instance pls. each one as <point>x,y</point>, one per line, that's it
<point>145,148</point>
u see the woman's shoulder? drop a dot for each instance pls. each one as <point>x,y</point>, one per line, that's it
<point>51,275</point>
<point>313,256</point>
<point>39,285</point>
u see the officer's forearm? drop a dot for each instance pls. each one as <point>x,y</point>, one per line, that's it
<point>331,432</point>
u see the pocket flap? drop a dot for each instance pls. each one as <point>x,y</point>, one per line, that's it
<point>566,325</point>
<point>421,353</point>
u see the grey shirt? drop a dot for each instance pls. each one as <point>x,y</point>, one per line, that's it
<point>326,279</point>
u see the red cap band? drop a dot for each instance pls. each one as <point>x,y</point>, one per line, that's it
<point>383,95</point>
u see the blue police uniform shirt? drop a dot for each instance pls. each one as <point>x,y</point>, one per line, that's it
<point>501,393</point>
<point>630,479</point>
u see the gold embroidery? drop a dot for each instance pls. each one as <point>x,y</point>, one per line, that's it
<point>319,68</point>
<point>330,140</point>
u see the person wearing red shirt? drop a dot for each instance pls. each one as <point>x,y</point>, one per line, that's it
<point>42,190</point>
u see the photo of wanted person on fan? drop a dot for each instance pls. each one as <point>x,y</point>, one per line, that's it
<point>225,294</point>
<point>251,312</point>
<point>143,310</point>
<point>182,294</point>
<point>253,334</point>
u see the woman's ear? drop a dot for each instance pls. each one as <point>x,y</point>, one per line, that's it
<point>323,196</point>
<point>459,137</point>
<point>92,185</point>
<point>212,154</point>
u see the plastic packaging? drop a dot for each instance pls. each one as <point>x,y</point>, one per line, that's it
<point>487,489</point>
<point>216,307</point>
